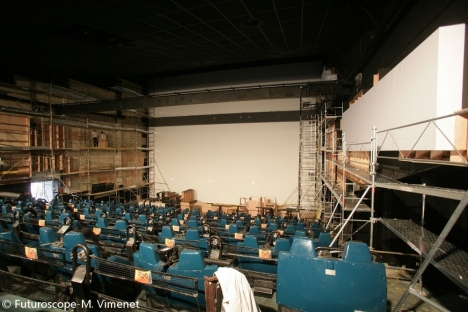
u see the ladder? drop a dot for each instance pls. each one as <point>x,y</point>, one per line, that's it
<point>314,99</point>
<point>156,181</point>
<point>308,177</point>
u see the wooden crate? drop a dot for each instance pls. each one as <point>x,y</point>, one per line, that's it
<point>189,195</point>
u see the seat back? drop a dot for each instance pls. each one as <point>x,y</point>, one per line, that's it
<point>47,235</point>
<point>303,246</point>
<point>49,215</point>
<point>102,223</point>
<point>192,234</point>
<point>121,225</point>
<point>283,244</point>
<point>167,232</point>
<point>324,240</point>
<point>254,230</point>
<point>191,260</point>
<point>192,223</point>
<point>291,229</point>
<point>356,252</point>
<point>72,238</point>
<point>251,241</point>
<point>299,233</point>
<point>63,216</point>
<point>142,219</point>
<point>273,226</point>
<point>300,226</point>
<point>6,209</point>
<point>233,229</point>
<point>148,254</point>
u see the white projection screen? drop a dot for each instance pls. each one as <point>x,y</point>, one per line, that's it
<point>226,162</point>
<point>427,84</point>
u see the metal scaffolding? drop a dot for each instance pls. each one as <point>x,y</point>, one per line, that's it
<point>60,148</point>
<point>357,163</point>
<point>315,98</point>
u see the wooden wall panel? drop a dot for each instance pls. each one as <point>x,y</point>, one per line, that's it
<point>15,133</point>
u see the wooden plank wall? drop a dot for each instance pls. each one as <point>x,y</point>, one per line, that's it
<point>14,132</point>
<point>359,160</point>
<point>43,91</point>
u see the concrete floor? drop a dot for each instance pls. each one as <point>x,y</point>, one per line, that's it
<point>450,297</point>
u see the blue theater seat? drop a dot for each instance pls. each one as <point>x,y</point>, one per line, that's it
<point>361,282</point>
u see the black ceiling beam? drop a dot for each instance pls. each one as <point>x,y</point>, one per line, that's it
<point>251,93</point>
<point>115,116</point>
<point>217,119</point>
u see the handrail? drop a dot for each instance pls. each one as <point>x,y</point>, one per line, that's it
<point>457,113</point>
<point>428,122</point>
<point>350,215</point>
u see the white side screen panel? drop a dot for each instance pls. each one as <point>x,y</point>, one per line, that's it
<point>415,90</point>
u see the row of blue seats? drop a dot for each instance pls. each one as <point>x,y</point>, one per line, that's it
<point>362,282</point>
<point>191,262</point>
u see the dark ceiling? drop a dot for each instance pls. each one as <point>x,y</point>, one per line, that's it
<point>134,39</point>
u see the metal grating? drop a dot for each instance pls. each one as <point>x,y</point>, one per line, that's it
<point>37,290</point>
<point>449,259</point>
<point>175,283</point>
<point>236,249</point>
<point>350,200</point>
<point>241,250</point>
<point>389,183</point>
<point>259,279</point>
<point>248,252</point>
<point>47,256</point>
